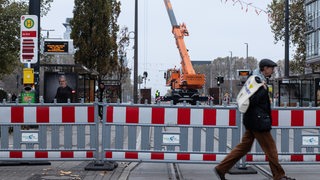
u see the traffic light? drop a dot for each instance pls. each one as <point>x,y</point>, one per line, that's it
<point>220,80</point>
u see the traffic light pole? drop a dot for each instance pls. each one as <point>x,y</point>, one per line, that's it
<point>34,9</point>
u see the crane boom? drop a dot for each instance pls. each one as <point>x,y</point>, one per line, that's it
<point>184,82</point>
<point>179,31</point>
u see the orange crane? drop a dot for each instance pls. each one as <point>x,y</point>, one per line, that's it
<point>184,82</point>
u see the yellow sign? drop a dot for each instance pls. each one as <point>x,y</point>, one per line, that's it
<point>28,76</point>
<point>28,23</point>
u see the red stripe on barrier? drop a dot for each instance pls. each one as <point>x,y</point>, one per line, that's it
<point>108,154</point>
<point>15,154</point>
<point>249,157</point>
<point>42,114</point>
<point>183,116</point>
<point>318,118</point>
<point>66,154</point>
<point>232,117</point>
<point>275,117</point>
<point>132,115</point>
<point>41,154</point>
<point>157,116</point>
<point>110,114</point>
<point>183,156</point>
<point>297,157</point>
<point>89,154</point>
<point>266,158</point>
<point>209,157</point>
<point>68,114</point>
<point>131,155</point>
<point>90,114</point>
<point>209,117</point>
<point>157,156</point>
<point>297,118</point>
<point>17,114</point>
<point>317,157</point>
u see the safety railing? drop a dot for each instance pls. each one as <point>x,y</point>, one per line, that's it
<point>148,133</point>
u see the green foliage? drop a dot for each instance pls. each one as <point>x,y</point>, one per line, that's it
<point>10,13</point>
<point>94,34</point>
<point>297,28</point>
<point>3,95</point>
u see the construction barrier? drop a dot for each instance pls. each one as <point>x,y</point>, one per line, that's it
<point>148,133</point>
<point>169,134</point>
<point>48,132</point>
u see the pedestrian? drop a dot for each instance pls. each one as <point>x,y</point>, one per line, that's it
<point>64,92</point>
<point>13,97</point>
<point>259,109</point>
<point>101,94</point>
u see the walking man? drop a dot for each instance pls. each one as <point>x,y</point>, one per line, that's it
<point>259,110</point>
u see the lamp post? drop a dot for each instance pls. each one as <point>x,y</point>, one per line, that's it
<point>247,63</point>
<point>135,74</point>
<point>230,79</point>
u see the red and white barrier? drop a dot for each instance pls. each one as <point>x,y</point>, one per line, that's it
<point>301,118</point>
<point>163,156</point>
<point>46,154</point>
<point>47,114</point>
<point>166,115</point>
<point>285,158</point>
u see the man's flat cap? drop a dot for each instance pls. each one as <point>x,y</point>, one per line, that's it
<point>267,62</point>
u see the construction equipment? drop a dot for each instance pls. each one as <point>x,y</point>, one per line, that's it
<point>184,82</point>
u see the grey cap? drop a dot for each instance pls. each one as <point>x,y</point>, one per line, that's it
<point>267,62</point>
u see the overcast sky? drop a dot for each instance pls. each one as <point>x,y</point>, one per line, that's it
<point>216,28</point>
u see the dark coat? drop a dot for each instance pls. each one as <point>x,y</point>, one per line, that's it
<point>63,94</point>
<point>259,107</point>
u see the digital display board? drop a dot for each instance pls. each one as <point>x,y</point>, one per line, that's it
<point>56,47</point>
<point>244,72</point>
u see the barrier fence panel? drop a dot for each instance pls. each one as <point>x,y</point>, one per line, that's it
<point>148,133</point>
<point>296,132</point>
<point>48,132</point>
<point>154,133</point>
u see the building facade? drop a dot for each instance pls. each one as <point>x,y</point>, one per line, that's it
<point>312,10</point>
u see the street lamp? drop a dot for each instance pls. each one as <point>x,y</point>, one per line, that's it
<point>247,63</point>
<point>230,79</point>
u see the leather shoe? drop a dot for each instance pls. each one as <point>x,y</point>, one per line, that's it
<point>219,174</point>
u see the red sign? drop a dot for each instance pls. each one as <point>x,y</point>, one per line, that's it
<point>29,34</point>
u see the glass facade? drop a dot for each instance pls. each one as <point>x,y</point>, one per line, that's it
<point>312,9</point>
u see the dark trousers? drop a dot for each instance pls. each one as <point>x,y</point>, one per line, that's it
<point>268,146</point>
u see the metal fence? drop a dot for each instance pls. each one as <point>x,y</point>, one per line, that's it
<point>48,132</point>
<point>148,133</point>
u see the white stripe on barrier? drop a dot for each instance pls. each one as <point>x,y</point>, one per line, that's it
<point>196,157</point>
<point>81,114</point>
<point>223,117</point>
<point>284,118</point>
<point>310,118</point>
<point>144,155</point>
<point>55,114</point>
<point>170,156</point>
<point>196,116</point>
<point>54,154</point>
<point>145,115</point>
<point>4,155</point>
<point>5,114</point>
<point>28,154</point>
<point>170,116</point>
<point>119,113</point>
<point>29,114</point>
